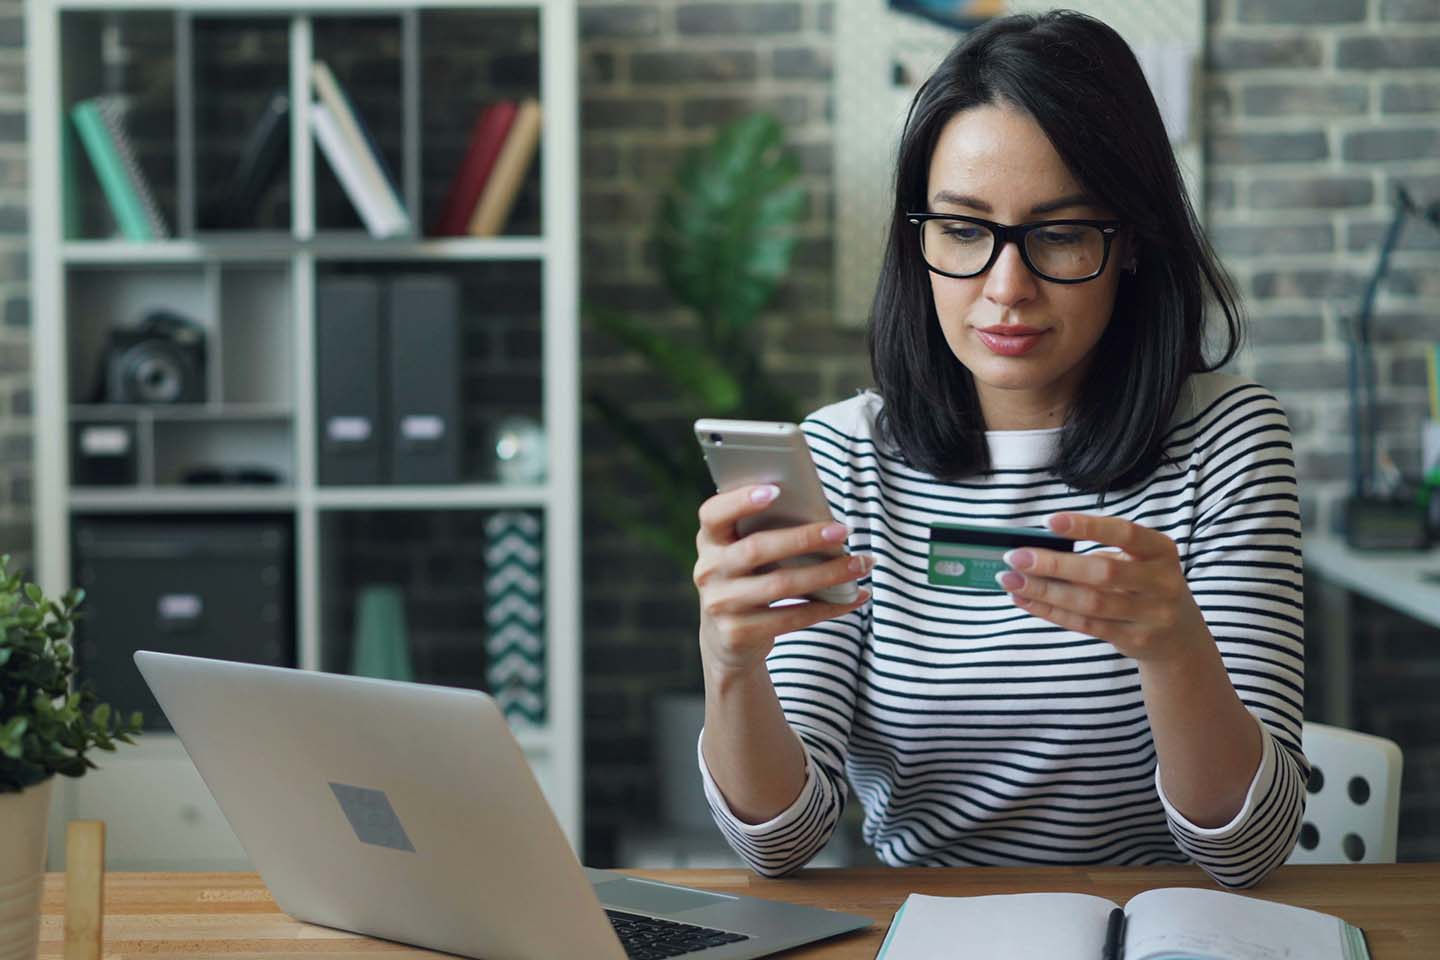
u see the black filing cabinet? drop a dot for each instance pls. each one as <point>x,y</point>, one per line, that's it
<point>207,587</point>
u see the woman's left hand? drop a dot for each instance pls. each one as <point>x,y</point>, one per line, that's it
<point>1137,599</point>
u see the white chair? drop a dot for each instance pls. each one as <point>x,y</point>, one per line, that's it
<point>1352,811</point>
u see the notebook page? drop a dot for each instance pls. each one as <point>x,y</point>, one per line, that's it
<point>1183,924</point>
<point>1017,926</point>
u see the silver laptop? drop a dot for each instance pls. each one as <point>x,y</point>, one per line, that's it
<point>408,812</point>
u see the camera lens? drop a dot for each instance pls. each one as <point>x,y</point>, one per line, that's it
<point>716,439</point>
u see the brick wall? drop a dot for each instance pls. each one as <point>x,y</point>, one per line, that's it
<point>1316,111</point>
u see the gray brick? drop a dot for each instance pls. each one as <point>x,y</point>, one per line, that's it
<point>624,113</point>
<point>1381,146</point>
<point>599,161</point>
<point>21,404</point>
<point>802,63</point>
<point>1229,52</point>
<point>1387,52</point>
<point>1220,194</point>
<point>1421,97</point>
<point>597,67</point>
<point>12,78</point>
<point>17,312</point>
<point>12,127</point>
<point>1321,466</point>
<point>1311,192</point>
<point>12,32</point>
<point>638,20</point>
<point>1300,11</point>
<point>758,18</point>
<point>716,111</point>
<point>17,448</point>
<point>1313,284</point>
<point>652,162</point>
<point>825,19</point>
<point>1409,372</point>
<point>1315,372</point>
<point>1245,240</point>
<point>666,67</point>
<point>1399,327</point>
<point>1305,99</point>
<point>1421,281</point>
<point>1410,10</point>
<point>1286,328</point>
<point>1414,235</point>
<point>14,218</point>
<point>20,489</point>
<point>1219,102</point>
<point>1301,146</point>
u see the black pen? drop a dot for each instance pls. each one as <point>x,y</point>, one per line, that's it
<point>1114,934</point>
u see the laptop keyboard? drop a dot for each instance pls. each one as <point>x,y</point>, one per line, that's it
<point>647,938</point>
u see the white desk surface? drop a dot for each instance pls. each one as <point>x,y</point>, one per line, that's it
<point>1391,577</point>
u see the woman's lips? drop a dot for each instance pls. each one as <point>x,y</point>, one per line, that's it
<point>1010,346</point>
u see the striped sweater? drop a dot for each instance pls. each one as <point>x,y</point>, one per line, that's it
<point>975,733</point>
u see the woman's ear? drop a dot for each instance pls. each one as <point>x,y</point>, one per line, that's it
<point>1129,250</point>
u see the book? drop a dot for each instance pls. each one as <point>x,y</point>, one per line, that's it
<point>501,189</point>
<point>102,133</point>
<point>378,220</point>
<point>260,159</point>
<point>361,145</point>
<point>487,136</point>
<point>1172,923</point>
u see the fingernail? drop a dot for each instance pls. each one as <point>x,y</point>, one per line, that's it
<point>1020,559</point>
<point>1010,580</point>
<point>861,564</point>
<point>764,494</point>
<point>1059,523</point>
<point>834,533</point>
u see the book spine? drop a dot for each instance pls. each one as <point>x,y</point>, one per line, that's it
<point>110,115</point>
<point>486,138</point>
<point>328,88</point>
<point>498,197</point>
<point>124,204</point>
<point>332,144</point>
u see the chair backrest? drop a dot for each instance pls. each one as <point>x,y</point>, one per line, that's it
<point>1352,811</point>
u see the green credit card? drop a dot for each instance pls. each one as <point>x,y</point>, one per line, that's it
<point>970,555</point>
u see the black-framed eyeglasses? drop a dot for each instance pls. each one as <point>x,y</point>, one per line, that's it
<point>1061,251</point>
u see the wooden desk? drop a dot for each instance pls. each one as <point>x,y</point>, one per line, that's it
<point>231,915</point>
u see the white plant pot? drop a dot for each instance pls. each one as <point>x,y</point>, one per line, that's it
<point>24,818</point>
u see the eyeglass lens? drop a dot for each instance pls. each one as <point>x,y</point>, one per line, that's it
<point>1061,251</point>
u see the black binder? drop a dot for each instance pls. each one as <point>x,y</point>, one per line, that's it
<point>424,367</point>
<point>349,439</point>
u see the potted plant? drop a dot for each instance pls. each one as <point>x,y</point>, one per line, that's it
<point>45,729</point>
<point>724,234</point>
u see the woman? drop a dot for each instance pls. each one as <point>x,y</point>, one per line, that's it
<point>1136,702</point>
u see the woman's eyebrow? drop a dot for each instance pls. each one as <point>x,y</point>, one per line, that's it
<point>1060,203</point>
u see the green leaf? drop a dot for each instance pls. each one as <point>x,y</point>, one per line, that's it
<point>36,595</point>
<point>725,230</point>
<point>691,370</point>
<point>101,716</point>
<point>74,597</point>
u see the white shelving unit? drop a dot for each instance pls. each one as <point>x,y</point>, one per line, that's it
<point>159,814</point>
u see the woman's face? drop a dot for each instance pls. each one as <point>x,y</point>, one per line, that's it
<point>995,162</point>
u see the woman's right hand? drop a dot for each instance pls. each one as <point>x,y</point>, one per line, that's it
<point>737,624</point>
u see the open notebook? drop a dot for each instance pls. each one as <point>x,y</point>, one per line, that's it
<point>1174,923</point>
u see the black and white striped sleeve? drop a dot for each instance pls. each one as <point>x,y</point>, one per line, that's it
<point>814,671</point>
<point>1245,572</point>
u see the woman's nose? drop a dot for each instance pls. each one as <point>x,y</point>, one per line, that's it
<point>1009,281</point>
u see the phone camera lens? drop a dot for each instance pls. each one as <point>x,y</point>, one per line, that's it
<point>716,439</point>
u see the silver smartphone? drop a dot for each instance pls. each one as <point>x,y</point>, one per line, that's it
<point>744,452</point>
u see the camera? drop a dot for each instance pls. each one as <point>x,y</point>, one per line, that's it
<point>162,360</point>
